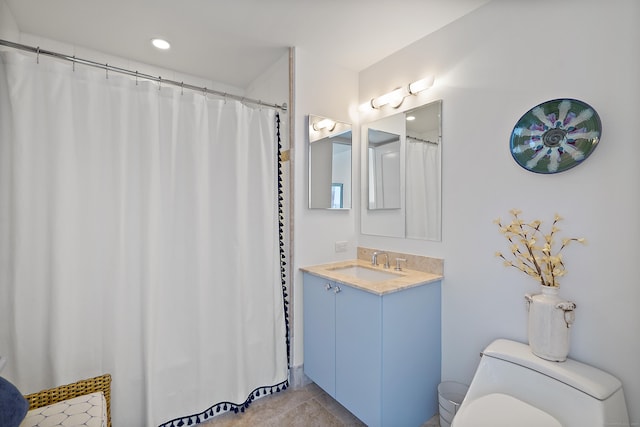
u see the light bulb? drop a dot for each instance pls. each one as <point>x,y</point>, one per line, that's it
<point>396,96</point>
<point>393,98</point>
<point>420,85</point>
<point>324,124</point>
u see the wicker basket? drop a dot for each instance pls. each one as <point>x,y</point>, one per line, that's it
<point>69,391</point>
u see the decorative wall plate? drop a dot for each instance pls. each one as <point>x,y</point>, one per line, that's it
<point>555,136</point>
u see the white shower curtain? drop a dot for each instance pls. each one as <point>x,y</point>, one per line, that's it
<point>423,189</point>
<point>139,237</point>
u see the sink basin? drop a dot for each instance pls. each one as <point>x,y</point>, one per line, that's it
<point>365,273</point>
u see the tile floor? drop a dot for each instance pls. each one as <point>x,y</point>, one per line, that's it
<point>307,406</point>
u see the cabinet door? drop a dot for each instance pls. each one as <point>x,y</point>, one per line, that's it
<point>319,332</point>
<point>358,353</point>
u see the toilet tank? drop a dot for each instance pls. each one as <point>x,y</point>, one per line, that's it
<point>576,394</point>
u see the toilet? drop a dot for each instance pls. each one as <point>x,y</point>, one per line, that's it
<point>513,387</point>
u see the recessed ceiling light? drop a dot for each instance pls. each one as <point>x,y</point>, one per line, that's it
<point>161,44</point>
<point>410,118</point>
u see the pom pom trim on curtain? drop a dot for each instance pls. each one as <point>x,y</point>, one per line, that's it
<point>222,407</point>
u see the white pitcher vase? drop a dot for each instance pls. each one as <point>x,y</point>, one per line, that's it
<point>550,320</point>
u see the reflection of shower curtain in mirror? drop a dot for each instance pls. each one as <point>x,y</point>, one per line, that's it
<point>423,190</point>
<point>139,237</point>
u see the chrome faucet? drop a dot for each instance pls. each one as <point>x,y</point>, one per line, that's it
<point>374,259</point>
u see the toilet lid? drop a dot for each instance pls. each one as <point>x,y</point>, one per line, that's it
<point>501,410</point>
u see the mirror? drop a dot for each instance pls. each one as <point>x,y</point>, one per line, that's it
<point>329,163</point>
<point>411,181</point>
<point>383,162</point>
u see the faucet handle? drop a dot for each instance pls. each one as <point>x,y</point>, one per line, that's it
<point>398,261</point>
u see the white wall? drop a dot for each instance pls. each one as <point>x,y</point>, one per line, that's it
<point>8,26</point>
<point>272,86</point>
<point>492,66</point>
<point>326,90</point>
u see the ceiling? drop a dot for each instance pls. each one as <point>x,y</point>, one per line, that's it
<point>234,41</point>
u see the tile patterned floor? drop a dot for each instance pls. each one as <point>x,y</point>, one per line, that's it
<point>308,406</point>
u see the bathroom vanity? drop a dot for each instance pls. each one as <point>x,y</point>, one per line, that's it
<point>373,343</point>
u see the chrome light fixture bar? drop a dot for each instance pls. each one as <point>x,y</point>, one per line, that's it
<point>395,98</point>
<point>324,124</point>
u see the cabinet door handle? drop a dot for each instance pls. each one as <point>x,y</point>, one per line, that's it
<point>336,289</point>
<point>328,286</point>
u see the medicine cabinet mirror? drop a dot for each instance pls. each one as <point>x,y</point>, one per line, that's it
<point>329,163</point>
<point>401,183</point>
<point>383,160</point>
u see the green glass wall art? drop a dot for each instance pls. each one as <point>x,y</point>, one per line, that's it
<point>555,136</point>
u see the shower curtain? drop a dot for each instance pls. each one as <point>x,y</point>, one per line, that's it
<point>423,189</point>
<point>139,237</point>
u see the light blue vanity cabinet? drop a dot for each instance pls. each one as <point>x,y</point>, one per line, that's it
<point>378,355</point>
<point>319,332</point>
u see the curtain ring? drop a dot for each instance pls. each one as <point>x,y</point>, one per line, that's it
<point>73,66</point>
<point>204,92</point>
<point>181,88</point>
<point>106,71</point>
<point>136,77</point>
<point>159,82</point>
<point>38,55</point>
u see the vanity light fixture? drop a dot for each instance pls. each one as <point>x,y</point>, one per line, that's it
<point>396,96</point>
<point>327,124</point>
<point>393,98</point>
<point>420,85</point>
<point>161,44</point>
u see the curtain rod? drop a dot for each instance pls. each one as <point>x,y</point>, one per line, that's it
<point>422,140</point>
<point>136,74</point>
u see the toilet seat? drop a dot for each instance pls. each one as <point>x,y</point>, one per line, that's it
<point>501,410</point>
